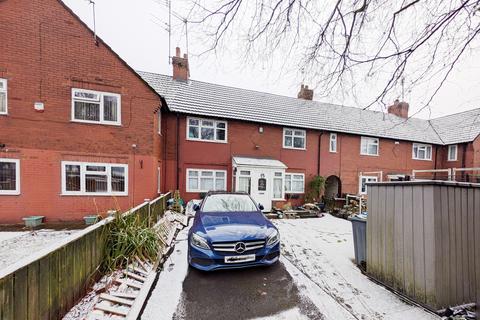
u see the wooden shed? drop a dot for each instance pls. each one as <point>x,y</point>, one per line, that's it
<point>423,240</point>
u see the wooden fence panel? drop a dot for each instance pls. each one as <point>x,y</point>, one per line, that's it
<point>48,284</point>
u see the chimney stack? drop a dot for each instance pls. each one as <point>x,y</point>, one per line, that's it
<point>305,93</point>
<point>181,70</point>
<point>400,109</point>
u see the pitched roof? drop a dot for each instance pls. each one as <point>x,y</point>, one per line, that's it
<point>458,127</point>
<point>100,40</point>
<point>213,100</point>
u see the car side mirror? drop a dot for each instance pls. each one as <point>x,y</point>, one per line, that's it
<point>196,207</point>
<point>260,206</point>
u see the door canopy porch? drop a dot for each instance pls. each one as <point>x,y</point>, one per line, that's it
<point>258,163</point>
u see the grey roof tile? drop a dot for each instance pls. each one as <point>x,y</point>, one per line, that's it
<point>458,127</point>
<point>213,100</point>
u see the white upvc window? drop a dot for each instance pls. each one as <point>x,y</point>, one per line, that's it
<point>369,146</point>
<point>278,189</point>
<point>9,176</point>
<point>3,96</point>
<point>452,152</point>
<point>333,142</point>
<point>363,183</point>
<point>201,180</point>
<point>244,181</point>
<point>294,138</point>
<point>209,130</point>
<point>96,107</point>
<point>421,151</point>
<point>294,183</point>
<point>94,179</point>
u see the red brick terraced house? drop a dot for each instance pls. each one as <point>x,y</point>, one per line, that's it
<point>226,138</point>
<point>79,130</point>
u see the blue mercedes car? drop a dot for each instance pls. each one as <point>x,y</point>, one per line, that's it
<point>230,231</point>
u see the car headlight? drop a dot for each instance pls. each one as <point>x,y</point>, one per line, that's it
<point>273,239</point>
<point>199,241</point>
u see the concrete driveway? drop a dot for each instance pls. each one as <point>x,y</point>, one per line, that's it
<point>315,279</point>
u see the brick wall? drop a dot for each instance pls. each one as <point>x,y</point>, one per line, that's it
<point>244,139</point>
<point>45,52</point>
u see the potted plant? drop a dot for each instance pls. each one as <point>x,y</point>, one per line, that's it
<point>33,221</point>
<point>91,219</point>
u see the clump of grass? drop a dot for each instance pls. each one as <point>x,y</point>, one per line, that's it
<point>128,236</point>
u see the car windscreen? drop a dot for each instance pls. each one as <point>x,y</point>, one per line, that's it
<point>228,203</point>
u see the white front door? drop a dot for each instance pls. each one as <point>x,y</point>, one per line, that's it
<point>263,184</point>
<point>261,188</point>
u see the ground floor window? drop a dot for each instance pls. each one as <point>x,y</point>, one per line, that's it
<point>363,183</point>
<point>294,183</point>
<point>9,176</point>
<point>244,181</point>
<point>278,185</point>
<point>200,180</point>
<point>82,178</point>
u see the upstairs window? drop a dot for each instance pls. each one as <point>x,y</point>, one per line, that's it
<point>294,138</point>
<point>369,146</point>
<point>96,107</point>
<point>206,130</point>
<point>9,176</point>
<point>294,183</point>
<point>3,96</point>
<point>95,179</point>
<point>422,151</point>
<point>333,142</point>
<point>452,152</point>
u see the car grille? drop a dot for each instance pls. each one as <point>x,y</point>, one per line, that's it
<point>230,246</point>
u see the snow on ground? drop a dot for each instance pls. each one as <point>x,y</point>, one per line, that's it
<point>13,249</point>
<point>9,235</point>
<point>319,255</point>
<point>163,304</point>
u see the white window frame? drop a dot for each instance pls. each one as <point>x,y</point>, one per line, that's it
<point>366,177</point>
<point>291,174</point>
<point>283,185</point>
<point>101,102</point>
<point>5,90</point>
<point>17,178</point>
<point>424,146</point>
<point>333,138</point>
<point>369,141</point>
<point>199,176</point>
<point>293,135</point>
<point>215,122</point>
<point>83,172</point>
<point>455,156</point>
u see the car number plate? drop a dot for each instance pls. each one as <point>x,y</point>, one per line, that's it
<point>240,259</point>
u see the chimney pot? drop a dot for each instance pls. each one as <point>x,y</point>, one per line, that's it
<point>305,93</point>
<point>181,69</point>
<point>400,109</point>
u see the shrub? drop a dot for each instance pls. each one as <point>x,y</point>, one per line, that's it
<point>128,236</point>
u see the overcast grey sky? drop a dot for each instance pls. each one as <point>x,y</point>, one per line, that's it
<point>136,31</point>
